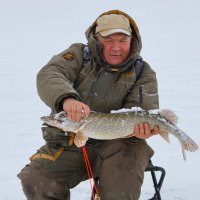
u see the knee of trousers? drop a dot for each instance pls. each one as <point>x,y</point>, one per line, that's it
<point>40,186</point>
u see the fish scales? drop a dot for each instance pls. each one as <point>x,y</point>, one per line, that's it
<point>109,126</point>
<point>112,126</point>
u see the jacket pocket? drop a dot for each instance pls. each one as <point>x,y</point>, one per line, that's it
<point>147,97</point>
<point>52,156</point>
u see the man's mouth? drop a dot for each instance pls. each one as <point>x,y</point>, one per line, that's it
<point>115,55</point>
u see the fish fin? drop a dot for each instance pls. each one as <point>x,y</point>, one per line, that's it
<point>183,152</point>
<point>169,115</point>
<point>80,139</point>
<point>165,136</point>
<point>189,145</point>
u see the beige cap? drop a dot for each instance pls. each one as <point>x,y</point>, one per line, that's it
<point>113,23</point>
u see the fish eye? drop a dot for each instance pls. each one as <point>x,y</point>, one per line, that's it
<point>63,115</point>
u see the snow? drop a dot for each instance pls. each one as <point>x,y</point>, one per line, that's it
<point>33,31</point>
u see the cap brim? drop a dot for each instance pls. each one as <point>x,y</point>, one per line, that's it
<point>112,31</point>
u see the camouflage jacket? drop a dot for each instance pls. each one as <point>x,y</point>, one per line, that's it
<point>95,82</point>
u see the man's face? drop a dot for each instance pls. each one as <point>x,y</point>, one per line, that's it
<point>116,47</point>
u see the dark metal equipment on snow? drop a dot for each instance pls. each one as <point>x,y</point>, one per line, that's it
<point>156,183</point>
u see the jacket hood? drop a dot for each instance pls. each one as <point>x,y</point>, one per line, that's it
<point>96,47</point>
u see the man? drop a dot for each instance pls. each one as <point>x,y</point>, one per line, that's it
<point>100,76</point>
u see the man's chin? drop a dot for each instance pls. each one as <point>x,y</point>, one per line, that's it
<point>115,61</point>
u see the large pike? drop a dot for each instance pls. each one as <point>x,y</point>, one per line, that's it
<point>120,124</point>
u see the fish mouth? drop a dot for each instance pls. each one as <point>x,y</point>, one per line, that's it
<point>47,118</point>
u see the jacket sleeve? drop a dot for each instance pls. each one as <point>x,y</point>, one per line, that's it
<point>144,93</point>
<point>56,79</point>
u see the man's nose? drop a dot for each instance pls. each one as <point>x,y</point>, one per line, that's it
<point>116,46</point>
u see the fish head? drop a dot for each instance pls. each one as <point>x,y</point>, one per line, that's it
<point>61,122</point>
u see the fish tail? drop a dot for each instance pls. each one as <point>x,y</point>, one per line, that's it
<point>189,145</point>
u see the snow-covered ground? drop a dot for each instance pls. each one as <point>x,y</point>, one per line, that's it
<point>31,32</point>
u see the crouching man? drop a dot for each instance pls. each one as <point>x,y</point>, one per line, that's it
<point>106,74</point>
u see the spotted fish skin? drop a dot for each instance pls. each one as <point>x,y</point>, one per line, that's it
<point>110,126</point>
